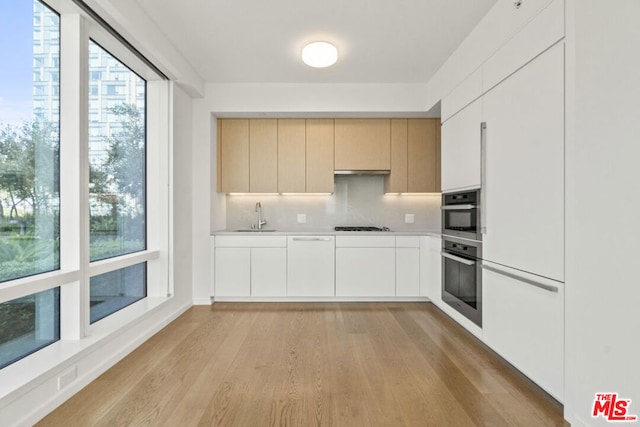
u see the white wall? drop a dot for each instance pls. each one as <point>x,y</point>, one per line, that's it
<point>310,98</point>
<point>182,194</point>
<point>203,205</point>
<point>603,185</point>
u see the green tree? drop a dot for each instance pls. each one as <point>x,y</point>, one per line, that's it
<point>29,167</point>
<point>125,163</point>
<point>117,179</point>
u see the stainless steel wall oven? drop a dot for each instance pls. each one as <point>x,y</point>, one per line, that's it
<point>461,214</point>
<point>462,276</point>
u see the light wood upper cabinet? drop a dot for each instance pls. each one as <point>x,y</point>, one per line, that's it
<point>362,144</point>
<point>233,155</point>
<point>291,156</point>
<point>275,155</point>
<point>298,155</point>
<point>415,156</point>
<point>319,158</point>
<point>263,156</point>
<point>396,181</point>
<point>422,150</point>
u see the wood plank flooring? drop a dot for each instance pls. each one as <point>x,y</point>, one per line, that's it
<point>311,364</point>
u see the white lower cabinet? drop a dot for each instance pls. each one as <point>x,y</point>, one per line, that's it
<point>431,268</point>
<point>524,323</point>
<point>250,266</point>
<point>365,266</point>
<point>268,272</point>
<point>311,266</point>
<point>232,272</point>
<point>323,267</point>
<point>407,266</point>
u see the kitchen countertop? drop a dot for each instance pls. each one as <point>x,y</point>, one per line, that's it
<point>330,232</point>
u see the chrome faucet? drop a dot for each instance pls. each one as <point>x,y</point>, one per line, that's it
<point>261,221</point>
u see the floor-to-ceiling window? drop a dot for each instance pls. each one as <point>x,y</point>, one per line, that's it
<point>83,177</point>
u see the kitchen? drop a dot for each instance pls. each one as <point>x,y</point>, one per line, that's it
<point>542,200</point>
<point>552,226</point>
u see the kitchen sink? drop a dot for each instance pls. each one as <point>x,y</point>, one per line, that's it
<point>253,230</point>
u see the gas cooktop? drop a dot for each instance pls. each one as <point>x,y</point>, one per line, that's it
<point>360,228</point>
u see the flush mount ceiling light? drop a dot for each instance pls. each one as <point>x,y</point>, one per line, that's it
<point>319,54</point>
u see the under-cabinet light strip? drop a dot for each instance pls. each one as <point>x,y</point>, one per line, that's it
<point>278,194</point>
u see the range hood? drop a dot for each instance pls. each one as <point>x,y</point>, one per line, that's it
<point>362,172</point>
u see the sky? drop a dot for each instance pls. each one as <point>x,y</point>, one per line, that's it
<point>16,61</point>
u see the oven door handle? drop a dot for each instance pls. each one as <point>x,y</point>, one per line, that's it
<point>458,259</point>
<point>459,207</point>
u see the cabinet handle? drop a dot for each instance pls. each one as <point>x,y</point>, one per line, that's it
<point>458,259</point>
<point>312,239</point>
<point>521,279</point>
<point>483,178</point>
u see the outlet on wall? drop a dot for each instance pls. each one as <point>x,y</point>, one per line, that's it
<point>302,218</point>
<point>67,377</point>
<point>408,218</point>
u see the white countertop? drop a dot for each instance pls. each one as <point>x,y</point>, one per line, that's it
<point>330,232</point>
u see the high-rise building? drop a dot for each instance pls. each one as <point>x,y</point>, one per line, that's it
<point>110,83</point>
<point>46,64</point>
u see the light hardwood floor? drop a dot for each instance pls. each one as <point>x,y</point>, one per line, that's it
<point>311,364</point>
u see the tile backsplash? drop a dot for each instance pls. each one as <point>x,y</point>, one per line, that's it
<point>357,200</point>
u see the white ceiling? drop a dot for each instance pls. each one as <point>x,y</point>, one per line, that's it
<point>379,41</point>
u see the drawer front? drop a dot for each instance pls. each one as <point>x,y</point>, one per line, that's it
<point>407,242</point>
<point>251,241</point>
<point>365,241</point>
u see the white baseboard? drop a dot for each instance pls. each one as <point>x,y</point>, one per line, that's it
<point>321,299</point>
<point>203,301</point>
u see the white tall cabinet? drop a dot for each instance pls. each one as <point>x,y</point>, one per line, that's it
<point>524,178</point>
<point>521,170</point>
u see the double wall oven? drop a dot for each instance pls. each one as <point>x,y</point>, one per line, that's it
<point>462,253</point>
